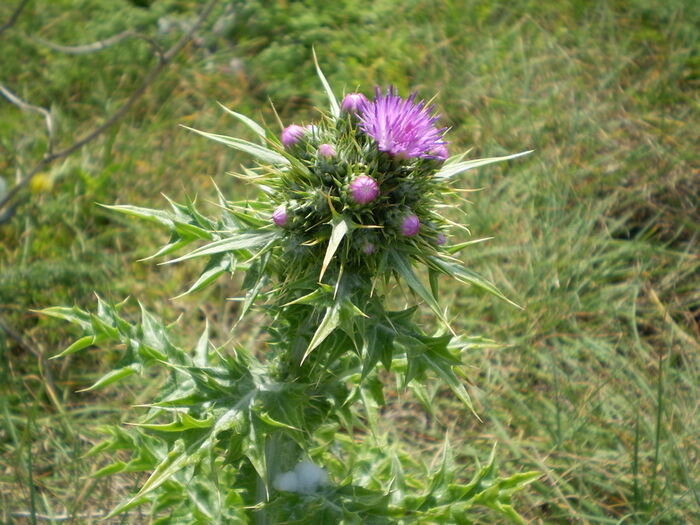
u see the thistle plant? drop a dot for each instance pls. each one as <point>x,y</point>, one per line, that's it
<point>349,207</point>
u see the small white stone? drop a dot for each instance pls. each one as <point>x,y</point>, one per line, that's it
<point>323,478</point>
<point>287,481</point>
<point>310,476</point>
<point>306,478</point>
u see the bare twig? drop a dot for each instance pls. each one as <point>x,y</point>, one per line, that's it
<point>50,127</point>
<point>7,215</point>
<point>44,366</point>
<point>14,16</point>
<point>93,47</point>
<point>165,59</point>
<point>66,517</point>
<point>18,339</point>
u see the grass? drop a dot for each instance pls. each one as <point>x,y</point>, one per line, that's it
<point>594,383</point>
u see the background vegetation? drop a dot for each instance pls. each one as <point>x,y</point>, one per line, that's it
<point>595,383</point>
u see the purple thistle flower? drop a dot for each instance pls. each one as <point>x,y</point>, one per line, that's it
<point>441,239</point>
<point>292,134</point>
<point>279,216</point>
<point>401,127</point>
<point>364,189</point>
<point>410,225</point>
<point>352,102</point>
<point>326,150</point>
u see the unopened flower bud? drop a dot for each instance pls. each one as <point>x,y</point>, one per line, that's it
<point>410,225</point>
<point>364,189</point>
<point>326,150</point>
<point>279,216</point>
<point>368,248</point>
<point>292,134</point>
<point>352,102</point>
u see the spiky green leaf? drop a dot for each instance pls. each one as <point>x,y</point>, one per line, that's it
<point>340,229</point>
<point>262,153</point>
<point>243,241</point>
<point>330,322</point>
<point>468,276</point>
<point>333,102</point>
<point>257,128</point>
<point>113,376</point>
<point>451,169</point>
<point>403,266</point>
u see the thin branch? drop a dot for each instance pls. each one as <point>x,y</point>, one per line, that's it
<point>6,216</point>
<point>44,366</point>
<point>50,127</point>
<point>93,47</point>
<point>18,339</point>
<point>165,59</point>
<point>14,16</point>
<point>67,517</point>
<point>55,517</point>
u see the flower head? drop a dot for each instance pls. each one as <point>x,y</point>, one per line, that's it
<point>401,127</point>
<point>292,134</point>
<point>364,189</point>
<point>441,239</point>
<point>279,216</point>
<point>410,225</point>
<point>352,102</point>
<point>326,150</point>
